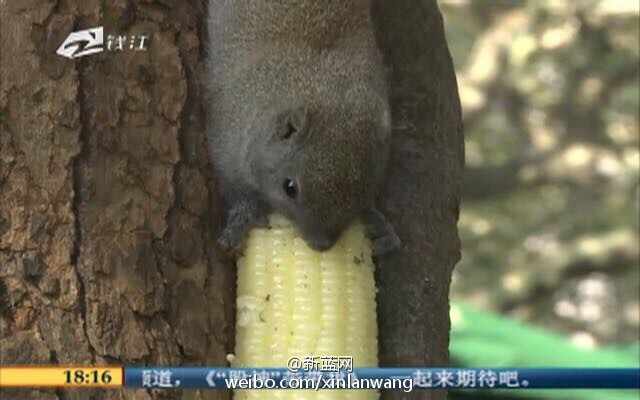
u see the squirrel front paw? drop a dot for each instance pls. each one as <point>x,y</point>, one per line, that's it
<point>243,216</point>
<point>383,236</point>
<point>386,244</point>
<point>230,240</point>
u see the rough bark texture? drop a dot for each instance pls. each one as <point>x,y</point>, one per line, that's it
<point>107,203</point>
<point>422,195</point>
<point>105,214</point>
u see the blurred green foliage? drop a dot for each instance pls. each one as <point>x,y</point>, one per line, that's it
<point>550,219</point>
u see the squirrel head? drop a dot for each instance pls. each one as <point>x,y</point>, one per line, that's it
<point>320,166</point>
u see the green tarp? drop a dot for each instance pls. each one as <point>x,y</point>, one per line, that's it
<point>484,340</point>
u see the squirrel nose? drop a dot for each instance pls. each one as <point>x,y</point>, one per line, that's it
<point>323,242</point>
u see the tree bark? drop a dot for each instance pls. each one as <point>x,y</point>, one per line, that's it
<point>108,204</point>
<point>105,199</point>
<point>423,189</point>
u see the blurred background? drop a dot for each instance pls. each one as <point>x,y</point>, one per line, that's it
<point>550,271</point>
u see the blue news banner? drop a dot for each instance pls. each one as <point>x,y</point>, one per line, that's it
<point>406,379</point>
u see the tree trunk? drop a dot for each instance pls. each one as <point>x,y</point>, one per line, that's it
<point>423,188</point>
<point>108,206</point>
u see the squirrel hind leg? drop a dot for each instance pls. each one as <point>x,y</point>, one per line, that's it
<point>381,232</point>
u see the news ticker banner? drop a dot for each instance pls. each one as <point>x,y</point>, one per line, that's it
<point>406,379</point>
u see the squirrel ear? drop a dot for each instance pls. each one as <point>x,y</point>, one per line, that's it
<point>291,122</point>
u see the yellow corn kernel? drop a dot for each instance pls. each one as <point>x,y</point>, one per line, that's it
<point>297,302</point>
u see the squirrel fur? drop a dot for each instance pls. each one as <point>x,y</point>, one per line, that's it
<point>299,117</point>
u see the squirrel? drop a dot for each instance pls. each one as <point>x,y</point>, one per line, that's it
<point>299,119</point>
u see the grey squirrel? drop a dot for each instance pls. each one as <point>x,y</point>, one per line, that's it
<point>299,117</point>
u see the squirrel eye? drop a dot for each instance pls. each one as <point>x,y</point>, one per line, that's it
<point>290,188</point>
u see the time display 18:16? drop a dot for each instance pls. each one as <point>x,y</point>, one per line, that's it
<point>88,376</point>
<point>61,376</point>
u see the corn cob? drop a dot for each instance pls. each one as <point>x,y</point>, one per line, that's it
<point>294,301</point>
